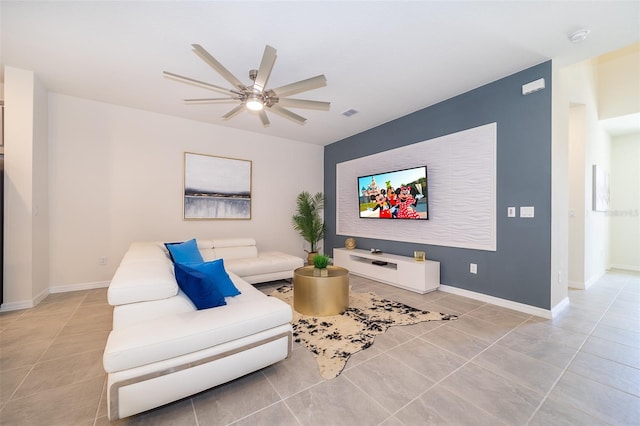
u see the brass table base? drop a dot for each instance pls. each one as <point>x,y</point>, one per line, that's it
<point>321,296</point>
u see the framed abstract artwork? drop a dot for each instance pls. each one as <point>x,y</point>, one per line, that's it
<point>216,187</point>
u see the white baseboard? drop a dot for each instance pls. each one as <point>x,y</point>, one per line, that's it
<point>516,306</point>
<point>26,304</point>
<point>77,287</point>
<point>577,285</point>
<point>559,307</point>
<point>16,306</point>
<point>634,268</point>
<point>594,280</point>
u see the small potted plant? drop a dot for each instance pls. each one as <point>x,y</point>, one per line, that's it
<point>320,263</point>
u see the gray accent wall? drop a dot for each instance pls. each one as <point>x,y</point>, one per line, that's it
<point>519,270</point>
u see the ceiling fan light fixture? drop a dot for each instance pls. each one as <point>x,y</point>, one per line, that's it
<point>256,97</point>
<point>254,103</point>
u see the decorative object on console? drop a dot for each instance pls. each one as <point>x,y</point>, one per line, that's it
<point>320,263</point>
<point>333,339</point>
<point>350,243</point>
<point>255,96</point>
<point>216,187</point>
<point>419,256</point>
<point>376,251</point>
<point>308,221</point>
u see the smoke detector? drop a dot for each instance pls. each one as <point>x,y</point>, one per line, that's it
<point>579,35</point>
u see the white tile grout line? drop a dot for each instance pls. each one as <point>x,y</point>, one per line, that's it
<point>438,382</point>
<point>564,370</point>
<point>44,352</point>
<point>102,395</point>
<point>282,399</point>
<point>193,408</point>
<point>345,369</point>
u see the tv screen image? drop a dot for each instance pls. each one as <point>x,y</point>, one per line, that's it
<point>398,194</point>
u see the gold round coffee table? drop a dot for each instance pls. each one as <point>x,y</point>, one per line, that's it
<point>321,296</point>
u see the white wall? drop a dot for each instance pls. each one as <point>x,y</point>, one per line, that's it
<point>116,174</point>
<point>619,82</point>
<point>590,144</point>
<point>26,227</point>
<point>461,169</point>
<point>577,202</point>
<point>625,202</point>
<point>559,189</point>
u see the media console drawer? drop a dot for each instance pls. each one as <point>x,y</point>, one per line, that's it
<point>399,271</point>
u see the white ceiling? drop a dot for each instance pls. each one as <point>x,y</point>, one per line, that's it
<point>385,58</point>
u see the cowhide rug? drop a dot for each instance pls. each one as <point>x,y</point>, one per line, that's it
<point>334,339</point>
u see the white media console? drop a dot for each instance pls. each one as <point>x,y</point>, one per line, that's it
<point>400,271</point>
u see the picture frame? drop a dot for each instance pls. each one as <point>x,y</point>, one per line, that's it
<point>216,187</point>
<point>600,189</point>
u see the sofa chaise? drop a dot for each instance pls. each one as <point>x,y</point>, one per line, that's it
<point>162,348</point>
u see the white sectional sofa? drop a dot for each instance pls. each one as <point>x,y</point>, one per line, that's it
<point>162,348</point>
<point>241,257</point>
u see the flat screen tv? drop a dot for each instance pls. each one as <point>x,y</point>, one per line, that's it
<point>399,194</point>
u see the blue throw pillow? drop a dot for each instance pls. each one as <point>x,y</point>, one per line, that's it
<point>198,287</point>
<point>186,252</point>
<point>218,275</point>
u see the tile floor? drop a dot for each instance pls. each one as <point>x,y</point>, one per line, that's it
<point>493,366</point>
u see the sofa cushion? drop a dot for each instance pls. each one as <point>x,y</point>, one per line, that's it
<point>232,242</point>
<point>144,252</point>
<point>199,286</point>
<point>142,281</point>
<point>182,333</point>
<point>186,252</point>
<point>134,313</point>
<point>241,252</point>
<point>217,276</point>
<point>204,244</point>
<point>265,263</point>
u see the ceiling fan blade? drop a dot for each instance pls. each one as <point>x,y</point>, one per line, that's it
<point>301,86</point>
<point>288,114</point>
<point>211,101</point>
<point>198,83</point>
<point>264,118</point>
<point>301,103</point>
<point>266,65</point>
<point>213,63</point>
<point>237,110</point>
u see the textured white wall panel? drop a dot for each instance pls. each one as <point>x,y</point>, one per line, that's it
<point>461,181</point>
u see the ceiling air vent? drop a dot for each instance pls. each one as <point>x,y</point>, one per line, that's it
<point>350,112</point>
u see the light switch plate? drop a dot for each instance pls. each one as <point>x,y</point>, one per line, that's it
<point>527,211</point>
<point>511,212</point>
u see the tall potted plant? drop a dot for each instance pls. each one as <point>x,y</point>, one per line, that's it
<point>308,221</point>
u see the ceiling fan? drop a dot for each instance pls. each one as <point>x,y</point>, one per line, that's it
<point>256,96</point>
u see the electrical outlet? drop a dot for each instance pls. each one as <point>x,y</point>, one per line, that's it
<point>511,212</point>
<point>102,260</point>
<point>527,211</point>
<point>473,268</point>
